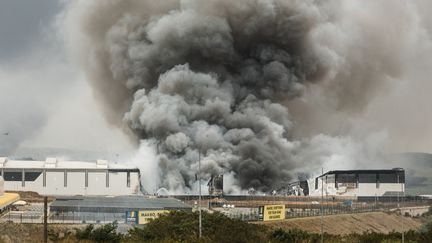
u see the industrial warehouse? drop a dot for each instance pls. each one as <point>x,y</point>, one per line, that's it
<point>100,178</point>
<point>353,183</point>
<point>57,177</point>
<point>124,209</point>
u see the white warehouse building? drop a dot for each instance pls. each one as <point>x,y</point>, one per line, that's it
<point>57,177</point>
<point>360,183</point>
<point>363,184</point>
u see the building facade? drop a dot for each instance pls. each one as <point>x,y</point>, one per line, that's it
<point>123,209</point>
<point>365,184</point>
<point>359,183</point>
<point>56,177</point>
<point>215,185</point>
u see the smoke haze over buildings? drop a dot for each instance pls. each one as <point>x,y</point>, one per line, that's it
<point>229,78</point>
<point>46,104</point>
<point>265,90</point>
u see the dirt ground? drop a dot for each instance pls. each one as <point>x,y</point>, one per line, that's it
<point>350,223</point>
<point>23,233</point>
<point>31,196</point>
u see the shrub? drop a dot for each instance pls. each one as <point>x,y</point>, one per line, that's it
<point>179,226</point>
<point>84,234</point>
<point>104,233</point>
<point>292,235</point>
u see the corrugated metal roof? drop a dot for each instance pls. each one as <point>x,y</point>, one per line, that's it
<point>116,203</point>
<point>8,198</point>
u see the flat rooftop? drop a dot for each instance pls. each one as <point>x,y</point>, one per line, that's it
<point>116,204</point>
<point>371,171</point>
<point>57,163</point>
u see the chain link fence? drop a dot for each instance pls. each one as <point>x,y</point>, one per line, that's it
<point>246,210</point>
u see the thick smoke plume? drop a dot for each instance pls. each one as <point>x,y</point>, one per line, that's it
<point>217,77</point>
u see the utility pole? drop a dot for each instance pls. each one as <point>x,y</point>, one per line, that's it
<point>199,198</point>
<point>322,199</point>
<point>45,219</point>
<point>402,226</point>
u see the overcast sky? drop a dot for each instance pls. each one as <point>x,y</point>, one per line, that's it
<point>23,25</point>
<point>43,95</point>
<point>45,101</point>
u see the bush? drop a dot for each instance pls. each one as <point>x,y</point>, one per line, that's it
<point>179,226</point>
<point>84,234</point>
<point>104,233</point>
<point>293,235</point>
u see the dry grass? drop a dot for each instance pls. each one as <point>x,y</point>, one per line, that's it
<point>12,232</point>
<point>31,196</point>
<point>350,223</point>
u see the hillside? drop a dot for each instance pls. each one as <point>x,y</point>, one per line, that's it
<point>350,223</point>
<point>418,169</point>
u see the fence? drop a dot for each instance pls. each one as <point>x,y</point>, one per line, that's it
<point>86,217</point>
<point>246,210</point>
<point>303,209</point>
<point>63,217</point>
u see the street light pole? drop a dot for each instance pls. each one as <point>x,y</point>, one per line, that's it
<point>199,198</point>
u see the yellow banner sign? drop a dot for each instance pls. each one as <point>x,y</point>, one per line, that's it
<point>274,212</point>
<point>145,216</point>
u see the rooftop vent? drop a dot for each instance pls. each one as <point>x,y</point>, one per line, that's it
<point>50,162</point>
<point>101,163</point>
<point>3,161</point>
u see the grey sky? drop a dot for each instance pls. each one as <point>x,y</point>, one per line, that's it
<point>36,84</point>
<point>42,92</point>
<point>22,25</point>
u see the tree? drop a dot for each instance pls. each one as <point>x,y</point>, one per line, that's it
<point>180,226</point>
<point>104,233</point>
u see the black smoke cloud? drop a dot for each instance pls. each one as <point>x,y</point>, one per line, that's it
<point>213,77</point>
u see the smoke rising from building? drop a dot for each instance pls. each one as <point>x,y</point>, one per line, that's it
<point>217,77</point>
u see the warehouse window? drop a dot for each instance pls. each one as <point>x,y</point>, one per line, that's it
<point>13,176</point>
<point>367,178</point>
<point>388,178</point>
<point>32,176</point>
<point>346,178</point>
